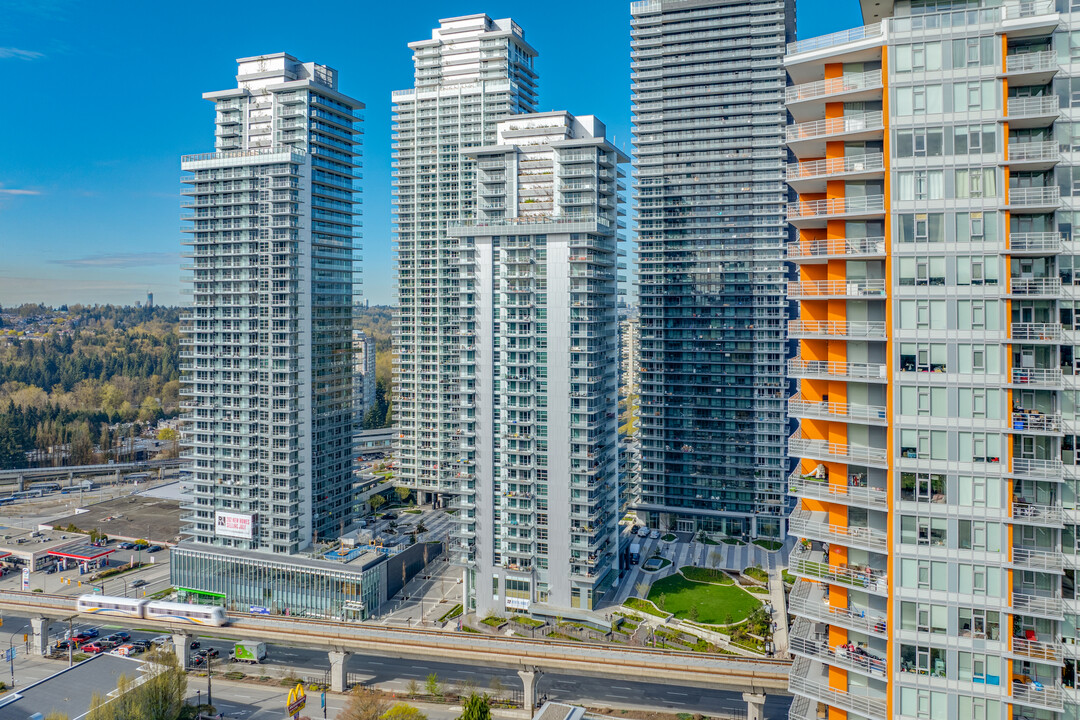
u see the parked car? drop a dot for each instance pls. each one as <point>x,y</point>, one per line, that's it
<point>161,639</point>
<point>126,546</point>
<point>90,632</point>
<point>65,644</point>
<point>81,637</point>
<point>195,645</point>
<point>197,660</point>
<point>106,643</point>
<point>138,583</point>
<point>154,549</point>
<point>655,535</point>
<point>142,645</point>
<point>92,648</point>
<point>643,532</point>
<point>211,652</point>
<point>389,516</point>
<point>121,634</point>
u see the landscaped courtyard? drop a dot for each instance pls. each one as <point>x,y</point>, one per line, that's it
<point>717,604</point>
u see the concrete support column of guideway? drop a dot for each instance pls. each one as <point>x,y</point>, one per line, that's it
<point>755,706</point>
<point>40,626</point>
<point>182,645</point>
<point>529,679</point>
<point>337,670</point>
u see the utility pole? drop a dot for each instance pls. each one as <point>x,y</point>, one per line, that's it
<point>71,643</point>
<point>209,674</point>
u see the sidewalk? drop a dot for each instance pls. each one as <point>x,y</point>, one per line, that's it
<point>778,599</point>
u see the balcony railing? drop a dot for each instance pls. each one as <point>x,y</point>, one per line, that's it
<point>874,246</point>
<point>868,80</point>
<point>1036,422</point>
<point>837,328</point>
<point>862,122</point>
<point>853,288</point>
<point>1029,513</point>
<point>801,523</point>
<point>1035,242</point>
<point>833,39</point>
<point>1038,559</point>
<point>800,446</point>
<point>797,367</point>
<point>834,411</point>
<point>1041,695</point>
<point>808,600</point>
<point>1037,467</point>
<point>1031,62</point>
<point>869,162</point>
<point>1038,604</point>
<point>868,204</point>
<point>1033,152</point>
<point>819,690</point>
<point>1026,107</point>
<point>847,494</point>
<point>1036,376</point>
<point>1048,652</point>
<point>822,651</point>
<point>1034,196</point>
<point>1035,286</point>
<point>1045,332</point>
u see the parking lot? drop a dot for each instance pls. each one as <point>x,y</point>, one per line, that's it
<point>141,582</point>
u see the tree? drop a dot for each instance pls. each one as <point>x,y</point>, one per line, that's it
<point>432,685</point>
<point>476,707</point>
<point>56,716</point>
<point>402,493</point>
<point>413,688</point>
<point>694,613</point>
<point>162,696</point>
<point>403,711</point>
<point>642,589</point>
<point>364,704</point>
<point>376,502</point>
<point>496,686</point>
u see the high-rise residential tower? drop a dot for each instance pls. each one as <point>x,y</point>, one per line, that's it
<point>538,469</point>
<point>473,72</point>
<point>266,346</point>
<point>937,471</point>
<point>629,354</point>
<point>708,92</point>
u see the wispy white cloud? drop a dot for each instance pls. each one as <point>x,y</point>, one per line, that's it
<point>120,260</point>
<point>14,53</point>
<point>18,191</point>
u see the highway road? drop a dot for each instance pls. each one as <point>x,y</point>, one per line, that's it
<point>396,674</point>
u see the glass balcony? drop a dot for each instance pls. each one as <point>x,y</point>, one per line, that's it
<point>800,446</point>
<point>811,680</point>
<point>841,412</point>
<point>810,289</point>
<point>807,139</point>
<point>856,495</point>
<point>1037,468</point>
<point>861,330</point>
<point>1033,155</point>
<point>835,41</point>
<point>828,370</point>
<point>816,526</point>
<point>813,213</point>
<point>810,176</point>
<point>854,87</point>
<point>811,600</point>
<point>820,251</point>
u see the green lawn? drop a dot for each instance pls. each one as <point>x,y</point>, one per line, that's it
<point>451,613</point>
<point>756,573</point>
<point>732,541</point>
<point>643,606</point>
<point>493,621</point>
<point>714,603</point>
<point>670,537</point>
<point>788,577</point>
<point>773,545</point>
<point>706,575</point>
<point>709,541</point>
<point>527,621</point>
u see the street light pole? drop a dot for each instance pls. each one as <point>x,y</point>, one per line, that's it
<point>209,674</point>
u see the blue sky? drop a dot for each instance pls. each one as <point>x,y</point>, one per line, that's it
<point>101,99</point>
